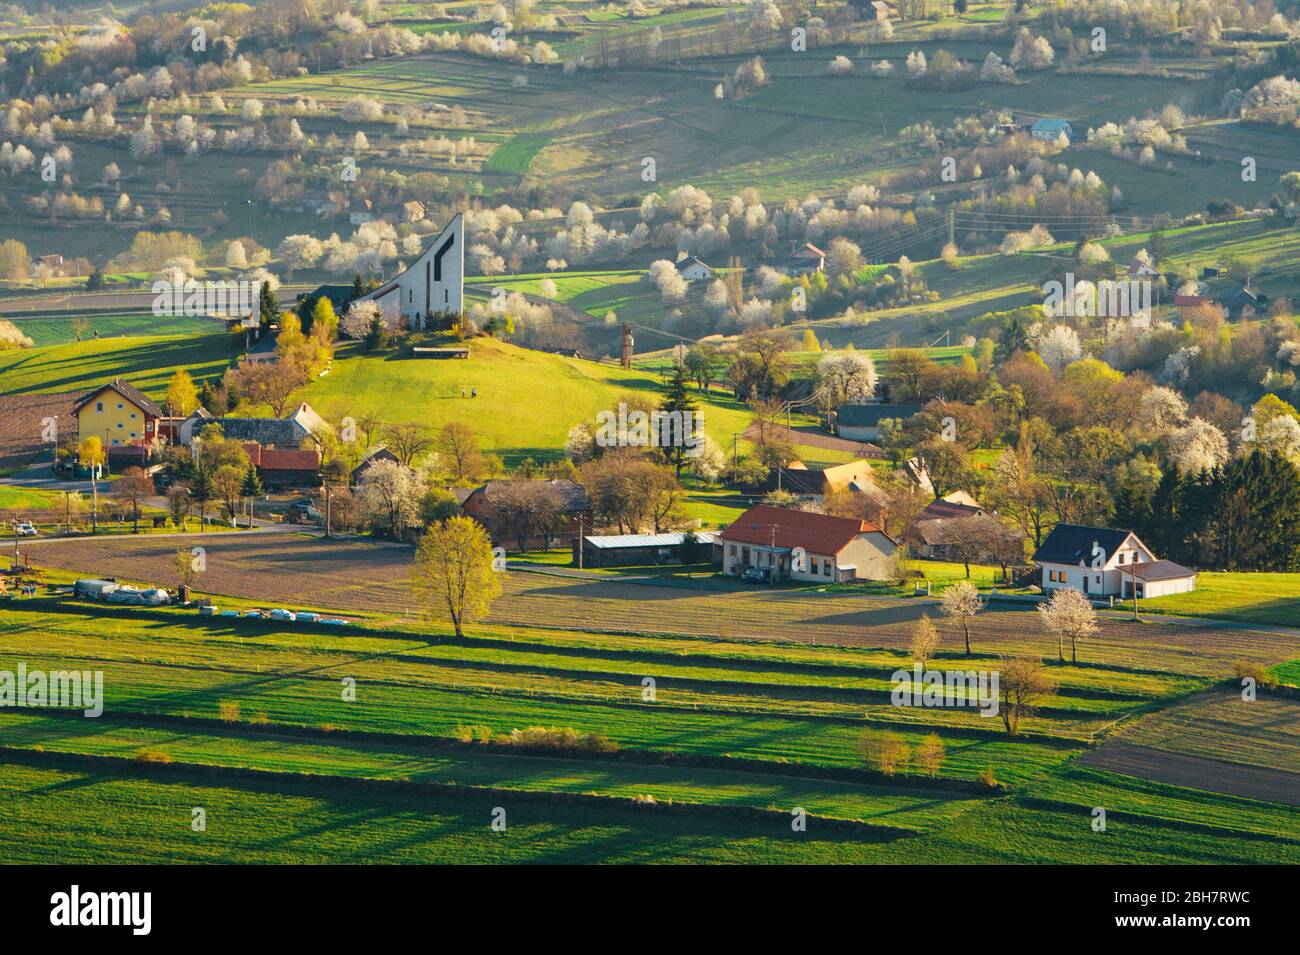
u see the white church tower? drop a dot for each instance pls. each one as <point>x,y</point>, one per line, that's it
<point>432,289</point>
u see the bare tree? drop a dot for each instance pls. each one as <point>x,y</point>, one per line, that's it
<point>274,383</point>
<point>407,441</point>
<point>459,446</point>
<point>1022,683</point>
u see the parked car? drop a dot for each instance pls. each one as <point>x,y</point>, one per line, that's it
<point>24,529</point>
<point>304,513</point>
<point>757,575</point>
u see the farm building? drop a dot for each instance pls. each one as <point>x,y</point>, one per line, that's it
<point>1104,562</point>
<point>800,545</point>
<point>558,509</point>
<point>805,260</point>
<point>816,483</point>
<point>1235,301</point>
<point>379,454</point>
<point>289,432</point>
<point>1050,130</point>
<point>643,550</point>
<point>879,10</point>
<point>927,536</point>
<point>433,285</point>
<point>361,211</point>
<point>285,467</point>
<point>119,414</point>
<point>693,270</point>
<point>862,422</point>
<point>339,296</point>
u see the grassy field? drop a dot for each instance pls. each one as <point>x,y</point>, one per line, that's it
<point>247,721</point>
<point>527,400</point>
<point>148,363</point>
<point>1257,598</point>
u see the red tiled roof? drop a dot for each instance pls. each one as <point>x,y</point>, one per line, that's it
<point>815,533</point>
<point>282,459</point>
<point>290,459</point>
<point>938,510</point>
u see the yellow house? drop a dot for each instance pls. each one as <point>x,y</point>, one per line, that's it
<point>119,414</point>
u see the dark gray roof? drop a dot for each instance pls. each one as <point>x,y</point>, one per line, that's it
<point>1158,570</point>
<point>1071,543</point>
<point>128,391</point>
<point>573,497</point>
<point>859,416</point>
<point>284,433</point>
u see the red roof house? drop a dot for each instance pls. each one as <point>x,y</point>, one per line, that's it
<point>801,545</point>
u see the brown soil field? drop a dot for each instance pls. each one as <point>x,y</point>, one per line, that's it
<point>20,424</point>
<point>301,570</point>
<point>1218,724</point>
<point>1194,772</point>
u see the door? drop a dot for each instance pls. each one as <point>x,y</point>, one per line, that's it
<point>1085,583</point>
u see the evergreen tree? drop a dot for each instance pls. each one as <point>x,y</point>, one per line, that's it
<point>1132,511</point>
<point>96,281</point>
<point>1015,339</point>
<point>252,486</point>
<point>677,420</point>
<point>1255,521</point>
<point>1158,247</point>
<point>268,306</point>
<point>202,491</point>
<point>358,286</point>
<point>1164,530</point>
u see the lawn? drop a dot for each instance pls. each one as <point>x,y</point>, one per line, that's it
<point>527,400</point>
<point>148,363</point>
<point>1256,598</point>
<point>246,720</point>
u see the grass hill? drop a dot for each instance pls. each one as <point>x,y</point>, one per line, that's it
<point>527,400</point>
<point>147,362</point>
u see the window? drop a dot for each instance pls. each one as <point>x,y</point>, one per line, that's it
<point>731,549</point>
<point>132,415</point>
<point>119,406</point>
<point>829,568</point>
<point>99,406</point>
<point>119,426</point>
<point>1099,578</point>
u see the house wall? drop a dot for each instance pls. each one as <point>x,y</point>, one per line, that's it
<point>1073,580</point>
<point>870,555</point>
<point>693,273</point>
<point>1161,588</point>
<point>858,432</point>
<point>114,420</point>
<point>421,291</point>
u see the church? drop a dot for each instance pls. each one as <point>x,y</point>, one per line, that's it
<point>431,291</point>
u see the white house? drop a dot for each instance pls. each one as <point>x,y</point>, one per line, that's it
<point>800,545</point>
<point>1103,562</point>
<point>361,211</point>
<point>1050,130</point>
<point>433,285</point>
<point>693,270</point>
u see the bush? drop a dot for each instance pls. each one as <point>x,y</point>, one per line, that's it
<point>152,756</point>
<point>1255,671</point>
<point>553,737</point>
<point>988,779</point>
<point>229,711</point>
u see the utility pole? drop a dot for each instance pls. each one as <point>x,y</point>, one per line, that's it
<point>1133,580</point>
<point>329,499</point>
<point>580,536</point>
<point>627,345</point>
<point>952,227</point>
